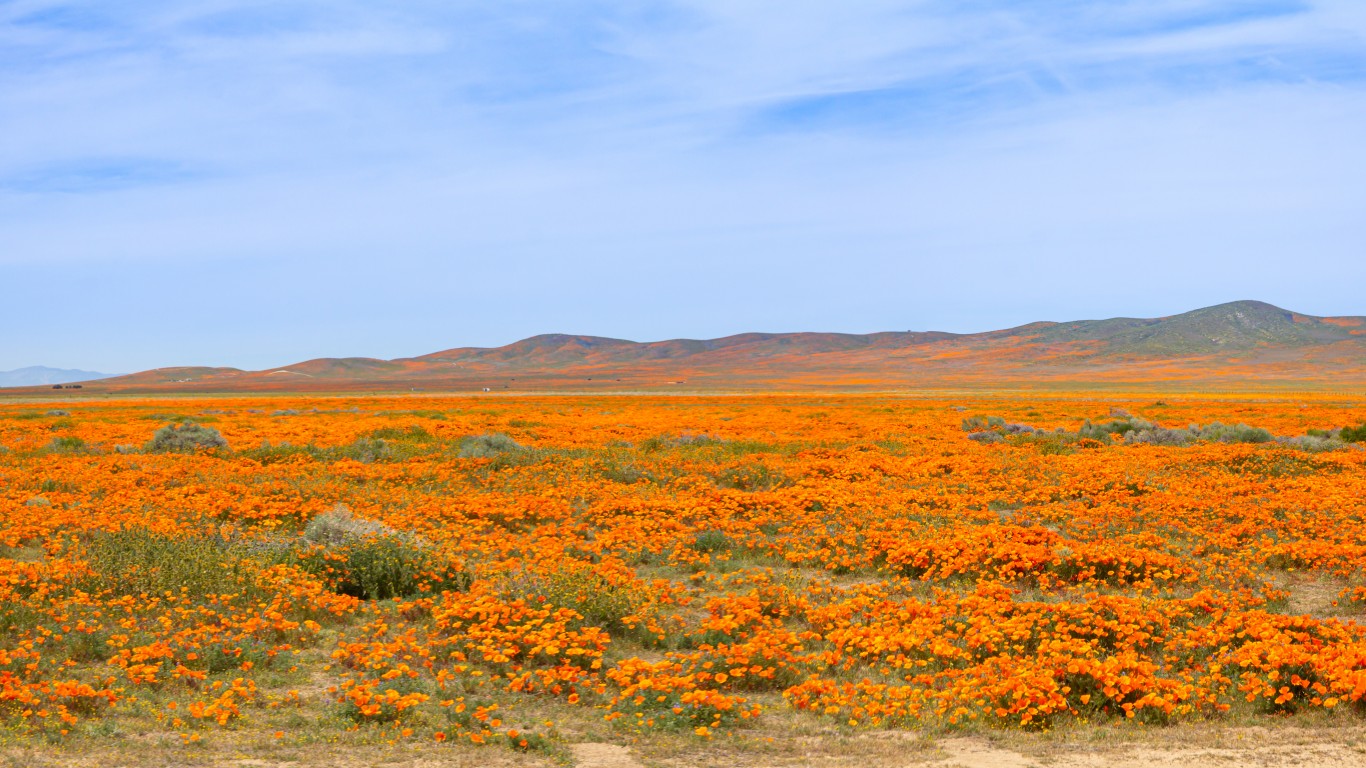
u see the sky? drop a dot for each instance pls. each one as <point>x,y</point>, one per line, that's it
<point>208,182</point>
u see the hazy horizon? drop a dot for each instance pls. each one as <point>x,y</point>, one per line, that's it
<point>220,183</point>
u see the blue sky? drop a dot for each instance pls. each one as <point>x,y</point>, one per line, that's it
<point>256,183</point>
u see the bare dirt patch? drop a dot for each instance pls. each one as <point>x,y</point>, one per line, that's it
<point>1315,595</point>
<point>599,755</point>
<point>975,753</point>
<point>1246,747</point>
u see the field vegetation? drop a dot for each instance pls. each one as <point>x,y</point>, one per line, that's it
<point>513,575</point>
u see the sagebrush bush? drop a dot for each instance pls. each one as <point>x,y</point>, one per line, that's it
<point>989,429</point>
<point>383,567</point>
<point>1313,443</point>
<point>1138,431</point>
<point>1160,436</point>
<point>373,561</point>
<point>1114,427</point>
<point>1355,434</point>
<point>341,526</point>
<point>186,438</point>
<point>1238,433</point>
<point>489,445</point>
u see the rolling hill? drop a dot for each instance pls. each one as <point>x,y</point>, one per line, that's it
<point>1244,343</point>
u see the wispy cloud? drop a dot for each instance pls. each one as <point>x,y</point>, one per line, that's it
<point>899,153</point>
<point>98,175</point>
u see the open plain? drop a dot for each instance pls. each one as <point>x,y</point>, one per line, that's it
<point>975,580</point>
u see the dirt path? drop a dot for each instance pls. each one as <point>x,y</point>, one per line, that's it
<point>598,755</point>
<point>974,753</point>
<point>1237,748</point>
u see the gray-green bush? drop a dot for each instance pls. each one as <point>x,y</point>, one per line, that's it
<point>186,438</point>
<point>489,445</point>
<point>373,561</point>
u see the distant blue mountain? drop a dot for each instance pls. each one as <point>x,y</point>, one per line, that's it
<point>38,375</point>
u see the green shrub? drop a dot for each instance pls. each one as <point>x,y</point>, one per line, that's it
<point>187,438</point>
<point>1355,434</point>
<point>689,438</point>
<point>410,434</point>
<point>1117,427</point>
<point>489,445</point>
<point>88,646</point>
<point>384,444</point>
<point>622,470</point>
<point>1281,463</point>
<point>277,454</point>
<point>382,567</point>
<point>683,439</point>
<point>751,477</point>
<point>368,450</point>
<point>711,541</point>
<point>974,424</point>
<point>990,429</point>
<point>601,602</point>
<point>372,561</point>
<point>18,617</point>
<point>388,713</point>
<point>139,561</point>
<point>66,444</point>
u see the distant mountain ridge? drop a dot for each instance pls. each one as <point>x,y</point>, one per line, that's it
<point>1243,341</point>
<point>38,375</point>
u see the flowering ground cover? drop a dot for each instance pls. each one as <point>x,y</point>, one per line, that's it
<point>500,575</point>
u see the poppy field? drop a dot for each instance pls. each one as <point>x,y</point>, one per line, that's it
<point>484,573</point>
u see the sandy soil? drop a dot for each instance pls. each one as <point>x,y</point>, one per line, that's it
<point>1250,747</point>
